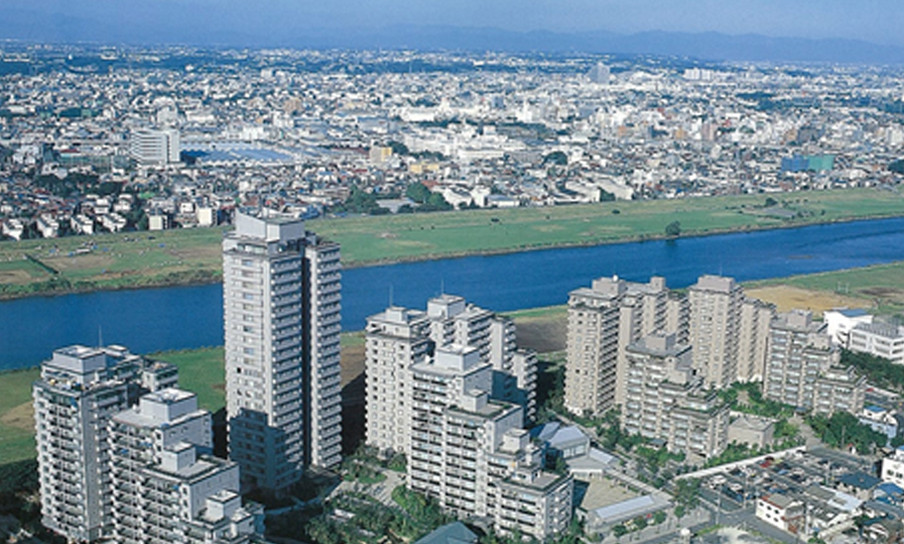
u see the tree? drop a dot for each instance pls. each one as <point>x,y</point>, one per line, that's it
<point>659,517</point>
<point>770,202</point>
<point>619,530</point>
<point>556,157</point>
<point>673,229</point>
<point>418,192</point>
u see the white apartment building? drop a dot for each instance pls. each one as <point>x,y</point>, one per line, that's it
<point>395,339</point>
<point>799,352</point>
<point>154,147</point>
<point>138,436</point>
<point>163,490</point>
<point>803,368</point>
<point>472,453</point>
<point>879,339</point>
<point>399,338</point>
<point>602,320</point>
<point>893,468</point>
<point>281,298</point>
<point>80,389</point>
<point>665,399</point>
<point>839,389</point>
<point>715,320</point>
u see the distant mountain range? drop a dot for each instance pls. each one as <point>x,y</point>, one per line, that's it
<point>191,29</point>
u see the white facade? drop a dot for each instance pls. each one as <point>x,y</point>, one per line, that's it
<point>140,437</point>
<point>472,454</point>
<point>80,389</point>
<point>281,291</point>
<point>155,147</point>
<point>665,399</point>
<point>780,511</point>
<point>399,338</point>
<point>840,322</point>
<point>715,316</point>
<point>893,468</point>
<point>602,321</point>
<point>879,339</point>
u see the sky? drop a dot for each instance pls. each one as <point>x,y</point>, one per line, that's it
<point>877,21</point>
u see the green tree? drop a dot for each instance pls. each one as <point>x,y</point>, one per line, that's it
<point>619,530</point>
<point>673,229</point>
<point>418,192</point>
<point>556,157</point>
<point>659,517</point>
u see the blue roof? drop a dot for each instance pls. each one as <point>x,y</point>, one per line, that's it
<point>890,488</point>
<point>860,480</point>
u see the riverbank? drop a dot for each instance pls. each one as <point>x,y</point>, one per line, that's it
<point>879,288</point>
<point>192,256</point>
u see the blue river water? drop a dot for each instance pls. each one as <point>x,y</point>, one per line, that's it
<point>148,320</point>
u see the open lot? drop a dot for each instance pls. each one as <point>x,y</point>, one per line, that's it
<point>113,261</point>
<point>879,289</point>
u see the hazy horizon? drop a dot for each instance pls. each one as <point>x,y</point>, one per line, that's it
<point>239,23</point>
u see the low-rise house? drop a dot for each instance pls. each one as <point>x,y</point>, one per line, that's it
<point>887,422</point>
<point>781,511</point>
<point>859,484</point>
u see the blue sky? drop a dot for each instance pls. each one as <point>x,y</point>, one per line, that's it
<point>879,21</point>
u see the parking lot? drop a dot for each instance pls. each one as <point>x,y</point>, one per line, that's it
<point>739,487</point>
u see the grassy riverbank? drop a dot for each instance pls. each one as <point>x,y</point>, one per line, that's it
<point>192,256</point>
<point>879,288</point>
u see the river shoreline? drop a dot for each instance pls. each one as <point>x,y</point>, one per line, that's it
<point>142,282</point>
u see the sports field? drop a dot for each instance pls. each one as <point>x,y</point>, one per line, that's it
<point>126,260</point>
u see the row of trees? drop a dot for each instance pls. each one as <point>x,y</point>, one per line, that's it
<point>843,429</point>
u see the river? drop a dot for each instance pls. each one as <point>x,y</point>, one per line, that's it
<point>148,320</point>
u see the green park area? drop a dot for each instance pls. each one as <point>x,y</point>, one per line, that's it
<point>138,259</point>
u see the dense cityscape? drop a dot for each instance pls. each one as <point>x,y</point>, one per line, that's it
<point>701,414</point>
<point>104,139</point>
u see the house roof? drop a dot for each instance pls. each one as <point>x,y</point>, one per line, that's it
<point>859,480</point>
<point>451,533</point>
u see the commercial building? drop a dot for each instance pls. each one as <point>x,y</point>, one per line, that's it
<point>666,399</point>
<point>151,147</point>
<point>79,390</point>
<point>879,339</point>
<point>281,298</point>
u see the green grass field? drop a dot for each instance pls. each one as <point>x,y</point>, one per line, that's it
<point>111,261</point>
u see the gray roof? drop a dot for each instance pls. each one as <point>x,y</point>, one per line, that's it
<point>452,533</point>
<point>630,508</point>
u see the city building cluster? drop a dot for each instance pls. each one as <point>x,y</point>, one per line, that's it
<point>661,359</point>
<point>115,138</point>
<point>124,455</point>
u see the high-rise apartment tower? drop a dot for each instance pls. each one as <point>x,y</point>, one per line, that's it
<point>281,298</point>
